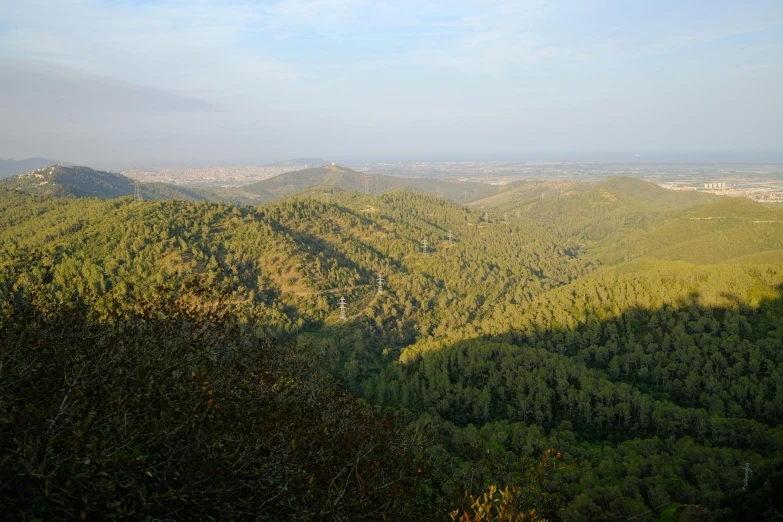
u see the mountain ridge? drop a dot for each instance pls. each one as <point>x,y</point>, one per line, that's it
<point>79,182</point>
<point>348,179</point>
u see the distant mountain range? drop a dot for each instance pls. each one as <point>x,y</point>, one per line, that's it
<point>9,167</point>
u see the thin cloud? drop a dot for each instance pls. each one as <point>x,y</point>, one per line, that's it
<point>164,75</point>
<point>43,87</point>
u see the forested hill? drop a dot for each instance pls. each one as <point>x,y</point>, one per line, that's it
<point>622,190</point>
<point>80,182</point>
<point>728,231</point>
<point>493,338</point>
<point>301,255</point>
<point>595,212</point>
<point>347,179</point>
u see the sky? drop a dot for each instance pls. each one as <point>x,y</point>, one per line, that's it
<point>167,82</point>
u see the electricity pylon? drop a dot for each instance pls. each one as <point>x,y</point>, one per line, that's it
<point>342,309</point>
<point>136,187</point>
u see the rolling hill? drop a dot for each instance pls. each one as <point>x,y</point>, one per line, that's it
<point>495,339</point>
<point>727,231</point>
<point>596,214</point>
<point>82,182</point>
<point>620,219</point>
<point>628,191</point>
<point>347,179</point>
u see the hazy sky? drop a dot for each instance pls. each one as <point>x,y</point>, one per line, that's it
<point>169,81</point>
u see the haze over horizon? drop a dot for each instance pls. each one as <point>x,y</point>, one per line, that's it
<point>121,82</point>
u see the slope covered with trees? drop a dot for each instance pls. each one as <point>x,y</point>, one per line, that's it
<point>595,211</point>
<point>82,182</point>
<point>662,383</point>
<point>171,407</point>
<point>347,179</point>
<point>620,219</point>
<point>494,338</point>
<point>716,233</point>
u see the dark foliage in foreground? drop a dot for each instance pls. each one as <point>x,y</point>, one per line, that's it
<point>170,409</point>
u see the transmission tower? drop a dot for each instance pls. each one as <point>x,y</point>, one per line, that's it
<point>380,283</point>
<point>424,247</point>
<point>748,471</point>
<point>451,238</point>
<point>136,187</point>
<point>366,185</point>
<point>517,213</point>
<point>505,216</point>
<point>486,216</point>
<point>342,309</point>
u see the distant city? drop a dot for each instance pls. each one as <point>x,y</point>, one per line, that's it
<point>759,182</point>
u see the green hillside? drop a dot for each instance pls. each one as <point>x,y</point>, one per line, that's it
<point>216,328</point>
<point>652,194</point>
<point>594,212</point>
<point>82,182</point>
<point>304,251</point>
<point>621,219</point>
<point>725,231</point>
<point>629,190</point>
<point>347,179</point>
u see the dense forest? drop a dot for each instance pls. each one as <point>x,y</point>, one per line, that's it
<point>607,351</point>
